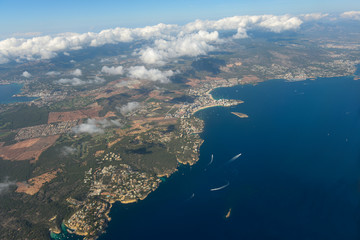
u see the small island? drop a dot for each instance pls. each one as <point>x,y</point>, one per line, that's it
<point>240,115</point>
<point>228,214</point>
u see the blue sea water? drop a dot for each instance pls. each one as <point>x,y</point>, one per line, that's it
<point>297,177</point>
<point>8,90</point>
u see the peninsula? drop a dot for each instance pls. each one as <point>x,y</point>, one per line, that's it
<point>240,115</point>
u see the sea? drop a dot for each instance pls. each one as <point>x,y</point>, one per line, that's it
<point>8,90</point>
<point>297,176</point>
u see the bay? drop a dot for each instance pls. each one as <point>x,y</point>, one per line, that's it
<point>8,90</point>
<point>297,176</point>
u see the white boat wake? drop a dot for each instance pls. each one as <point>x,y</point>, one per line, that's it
<point>191,197</point>
<point>212,159</point>
<point>234,158</point>
<point>219,188</point>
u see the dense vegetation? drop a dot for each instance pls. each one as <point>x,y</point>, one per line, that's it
<point>23,115</point>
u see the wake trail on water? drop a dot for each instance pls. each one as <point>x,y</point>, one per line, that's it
<point>191,197</point>
<point>234,158</point>
<point>211,160</point>
<point>219,188</point>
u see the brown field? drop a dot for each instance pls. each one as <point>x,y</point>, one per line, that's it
<point>110,144</point>
<point>110,94</point>
<point>141,125</point>
<point>28,149</point>
<point>156,94</point>
<point>158,120</point>
<point>250,79</point>
<point>120,132</point>
<point>91,112</point>
<point>110,114</point>
<point>192,82</point>
<point>168,121</point>
<point>34,184</point>
<point>99,153</point>
<point>114,86</point>
<point>208,78</point>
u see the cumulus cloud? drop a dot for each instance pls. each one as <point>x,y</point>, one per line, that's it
<point>355,15</point>
<point>189,40</point>
<point>96,80</point>
<point>112,70</point>
<point>192,44</point>
<point>66,150</point>
<point>241,23</point>
<point>153,74</point>
<point>52,73</point>
<point>198,37</point>
<point>313,16</point>
<point>93,126</point>
<point>78,82</point>
<point>26,74</point>
<point>129,107</point>
<point>77,72</point>
<point>127,35</point>
<point>71,81</point>
<point>4,186</point>
<point>279,23</point>
<point>46,47</point>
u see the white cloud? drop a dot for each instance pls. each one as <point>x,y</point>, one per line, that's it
<point>66,150</point>
<point>112,70</point>
<point>192,44</point>
<point>117,35</point>
<point>66,54</point>
<point>46,47</point>
<point>195,39</point>
<point>280,23</point>
<point>129,107</point>
<point>71,81</point>
<point>169,41</point>
<point>52,73</point>
<point>355,15</point>
<point>4,186</point>
<point>140,72</point>
<point>268,22</point>
<point>93,126</point>
<point>78,82</point>
<point>313,16</point>
<point>96,80</point>
<point>77,72</point>
<point>26,74</point>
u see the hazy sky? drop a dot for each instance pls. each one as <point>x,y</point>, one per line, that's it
<point>51,16</point>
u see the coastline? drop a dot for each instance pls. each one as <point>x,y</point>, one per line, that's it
<point>192,162</point>
<point>204,101</point>
<point>17,95</point>
<point>206,107</point>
